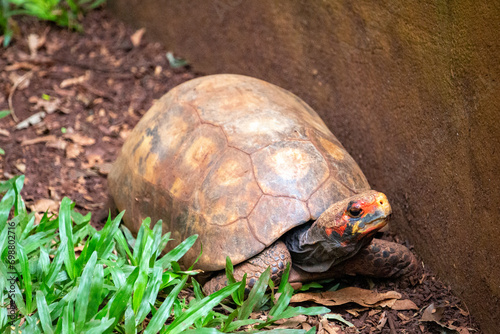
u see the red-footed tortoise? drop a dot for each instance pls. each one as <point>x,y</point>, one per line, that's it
<point>255,172</point>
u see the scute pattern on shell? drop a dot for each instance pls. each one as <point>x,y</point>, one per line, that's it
<point>234,159</point>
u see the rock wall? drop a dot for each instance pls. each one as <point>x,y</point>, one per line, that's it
<point>411,89</point>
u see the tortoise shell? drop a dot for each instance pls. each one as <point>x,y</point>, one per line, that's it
<point>234,159</point>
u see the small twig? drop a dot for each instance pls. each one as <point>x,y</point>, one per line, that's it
<point>13,90</point>
<point>391,323</point>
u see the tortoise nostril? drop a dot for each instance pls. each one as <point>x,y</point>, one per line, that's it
<point>381,202</point>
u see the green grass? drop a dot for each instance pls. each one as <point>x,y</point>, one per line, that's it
<point>116,284</point>
<point>65,13</point>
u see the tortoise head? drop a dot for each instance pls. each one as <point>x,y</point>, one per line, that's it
<point>339,233</point>
<point>355,218</point>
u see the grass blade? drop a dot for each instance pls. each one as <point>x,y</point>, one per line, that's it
<point>130,321</point>
<point>55,266</point>
<point>66,235</point>
<point>255,296</point>
<point>141,283</point>
<point>68,325</point>
<point>175,254</point>
<point>283,301</point>
<point>118,303</point>
<point>6,205</point>
<point>201,309</point>
<point>43,313</point>
<point>159,318</point>
<point>96,290</point>
<point>150,295</point>
<point>25,270</point>
<point>84,292</point>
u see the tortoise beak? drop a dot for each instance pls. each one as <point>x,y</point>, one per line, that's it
<point>376,219</point>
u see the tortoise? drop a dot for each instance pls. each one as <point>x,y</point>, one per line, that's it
<point>256,173</point>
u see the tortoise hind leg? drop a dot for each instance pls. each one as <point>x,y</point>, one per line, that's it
<point>275,256</point>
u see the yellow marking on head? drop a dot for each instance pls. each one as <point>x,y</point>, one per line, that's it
<point>355,228</point>
<point>335,151</point>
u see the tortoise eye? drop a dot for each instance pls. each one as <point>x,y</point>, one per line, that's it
<point>354,210</point>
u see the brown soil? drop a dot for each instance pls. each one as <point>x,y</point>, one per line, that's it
<point>94,87</point>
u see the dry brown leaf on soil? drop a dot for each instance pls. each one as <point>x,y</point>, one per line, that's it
<point>50,106</point>
<point>329,327</point>
<point>57,143</point>
<point>37,140</point>
<point>137,37</point>
<point>22,83</point>
<point>363,297</point>
<point>80,139</point>
<point>293,322</point>
<point>45,204</point>
<point>35,42</point>
<point>32,120</point>
<point>434,314</point>
<point>23,65</point>
<point>382,321</point>
<point>20,167</point>
<point>403,305</point>
<point>74,81</point>
<point>92,161</point>
<point>73,150</point>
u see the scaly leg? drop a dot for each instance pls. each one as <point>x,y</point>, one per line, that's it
<point>276,256</point>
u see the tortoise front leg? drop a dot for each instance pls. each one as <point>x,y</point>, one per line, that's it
<point>381,258</point>
<point>275,256</point>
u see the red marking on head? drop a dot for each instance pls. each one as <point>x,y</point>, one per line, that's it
<point>338,229</point>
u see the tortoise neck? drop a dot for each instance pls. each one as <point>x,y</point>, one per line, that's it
<point>313,251</point>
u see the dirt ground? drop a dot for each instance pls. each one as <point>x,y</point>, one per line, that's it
<point>82,93</point>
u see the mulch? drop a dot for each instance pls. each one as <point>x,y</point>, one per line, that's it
<point>84,92</point>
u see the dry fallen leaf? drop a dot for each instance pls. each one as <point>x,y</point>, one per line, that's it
<point>74,81</point>
<point>92,161</point>
<point>382,321</point>
<point>434,314</point>
<point>37,140</point>
<point>137,37</point>
<point>21,83</point>
<point>50,106</point>
<point>293,322</point>
<point>330,328</point>
<point>404,304</point>
<point>35,42</point>
<point>45,204</point>
<point>21,167</point>
<point>32,120</point>
<point>73,150</point>
<point>4,133</point>
<point>80,139</point>
<point>359,296</point>
<point>57,143</point>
